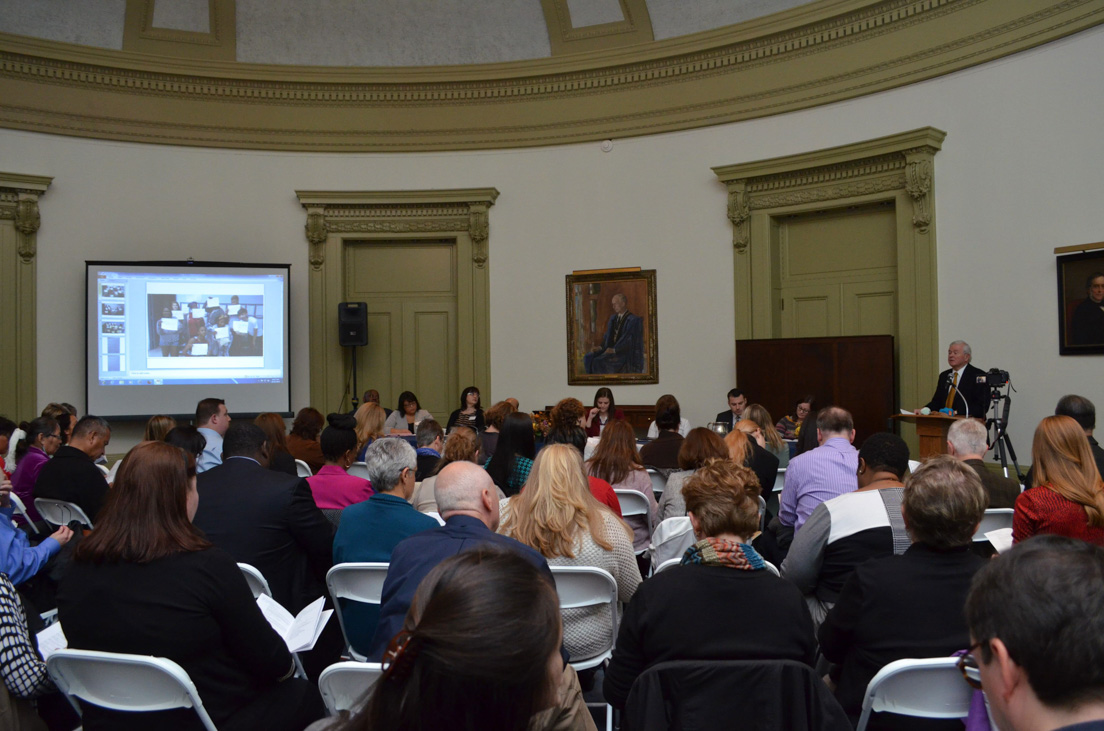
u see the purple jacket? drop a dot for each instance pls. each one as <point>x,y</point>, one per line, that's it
<point>25,477</point>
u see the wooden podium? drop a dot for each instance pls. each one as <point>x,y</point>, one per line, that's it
<point>932,431</point>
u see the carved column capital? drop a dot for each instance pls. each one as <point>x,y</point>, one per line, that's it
<point>919,173</point>
<point>479,229</point>
<point>739,213</point>
<point>317,230</point>
<point>27,221</point>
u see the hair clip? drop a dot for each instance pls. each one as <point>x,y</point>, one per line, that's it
<point>398,660</point>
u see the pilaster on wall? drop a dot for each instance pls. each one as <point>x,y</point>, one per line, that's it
<point>898,168</point>
<point>337,217</point>
<point>19,223</point>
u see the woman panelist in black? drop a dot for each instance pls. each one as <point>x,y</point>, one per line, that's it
<point>147,582</point>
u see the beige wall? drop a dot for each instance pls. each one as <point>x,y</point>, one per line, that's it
<point>1018,175</point>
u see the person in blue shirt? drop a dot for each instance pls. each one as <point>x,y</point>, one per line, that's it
<point>18,559</point>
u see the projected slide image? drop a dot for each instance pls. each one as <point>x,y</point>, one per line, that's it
<point>191,324</point>
<point>114,328</point>
<point>113,309</point>
<point>112,290</point>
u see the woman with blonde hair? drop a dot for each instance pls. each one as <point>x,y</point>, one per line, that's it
<point>1067,497</point>
<point>557,515</point>
<point>370,418</point>
<point>157,427</point>
<point>772,442</point>
<point>746,447</point>
<point>617,462</point>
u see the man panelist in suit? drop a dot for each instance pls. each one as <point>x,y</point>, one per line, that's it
<point>622,348</point>
<point>962,387</point>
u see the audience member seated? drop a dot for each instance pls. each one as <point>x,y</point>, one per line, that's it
<point>370,418</point>
<point>7,428</point>
<point>967,442</point>
<point>146,582</point>
<point>566,430</point>
<point>616,461</point>
<point>1083,411</point>
<point>42,439</point>
<point>489,438</point>
<point>849,529</point>
<point>807,439</point>
<point>72,475</point>
<point>406,418</point>
<point>212,421</point>
<point>470,413</point>
<point>910,606</point>
<point>1067,498</point>
<point>790,426</point>
<point>279,458</point>
<point>371,396</point>
<point>682,426</point>
<point>479,649</point>
<point>700,446</point>
<point>737,402</point>
<point>430,439</point>
<point>302,442</point>
<point>513,457</point>
<point>557,515</point>
<point>187,438</point>
<point>20,561</point>
<point>772,441</point>
<point>822,473</point>
<point>687,612</point>
<point>603,410</point>
<point>370,530</point>
<point>468,503</point>
<point>754,454</point>
<point>66,416</point>
<point>266,519</point>
<point>662,451</point>
<point>1036,619</point>
<point>334,488</point>
<point>461,445</point>
<point>157,427</point>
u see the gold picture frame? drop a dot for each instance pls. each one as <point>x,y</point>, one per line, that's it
<point>611,327</point>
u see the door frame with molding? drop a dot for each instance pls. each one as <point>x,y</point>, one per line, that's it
<point>337,217</point>
<point>898,168</point>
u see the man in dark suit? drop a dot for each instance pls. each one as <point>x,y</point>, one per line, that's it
<point>72,475</point>
<point>737,402</point>
<point>622,348</point>
<point>967,442</point>
<point>962,387</point>
<point>265,518</point>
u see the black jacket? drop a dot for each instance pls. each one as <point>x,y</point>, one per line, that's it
<point>73,477</point>
<point>969,392</point>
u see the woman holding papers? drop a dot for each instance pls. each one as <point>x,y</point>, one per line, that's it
<point>168,334</point>
<point>147,582</point>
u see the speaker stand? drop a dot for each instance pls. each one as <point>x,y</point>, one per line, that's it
<point>356,401</point>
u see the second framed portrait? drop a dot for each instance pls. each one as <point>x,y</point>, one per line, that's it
<point>1081,303</point>
<point>611,328</point>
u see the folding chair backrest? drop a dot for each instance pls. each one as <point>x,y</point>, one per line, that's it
<point>358,469</point>
<point>345,685</point>
<point>779,481</point>
<point>21,509</point>
<point>659,481</point>
<point>303,469</point>
<point>771,567</point>
<point>588,586</point>
<point>927,688</point>
<point>635,503</point>
<point>994,519</point>
<point>256,580</point>
<point>126,682</point>
<point>358,582</point>
<point>667,564</point>
<point>59,512</point>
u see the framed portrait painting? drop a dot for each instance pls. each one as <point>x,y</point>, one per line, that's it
<point>1081,303</point>
<point>611,327</point>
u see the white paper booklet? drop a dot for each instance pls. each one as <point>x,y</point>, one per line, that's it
<point>110,477</point>
<point>50,640</point>
<point>1000,538</point>
<point>300,632</point>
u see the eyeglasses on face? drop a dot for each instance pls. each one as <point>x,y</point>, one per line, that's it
<point>968,665</point>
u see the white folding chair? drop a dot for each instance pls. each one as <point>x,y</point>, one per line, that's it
<point>994,519</point>
<point>59,512</point>
<point>359,469</point>
<point>659,481</point>
<point>358,582</point>
<point>771,567</point>
<point>589,586</point>
<point>20,509</point>
<point>670,539</point>
<point>779,481</point>
<point>635,503</point>
<point>303,469</point>
<point>258,584</point>
<point>926,688</point>
<point>667,564</point>
<point>125,682</point>
<point>345,685</point>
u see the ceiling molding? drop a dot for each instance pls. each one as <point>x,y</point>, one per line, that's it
<point>815,54</point>
<point>635,27</point>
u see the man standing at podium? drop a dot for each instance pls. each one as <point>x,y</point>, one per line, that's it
<point>962,387</point>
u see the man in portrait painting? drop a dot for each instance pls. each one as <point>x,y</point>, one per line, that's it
<point>1087,327</point>
<point>622,348</point>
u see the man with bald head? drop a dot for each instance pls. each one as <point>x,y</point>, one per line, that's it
<point>468,502</point>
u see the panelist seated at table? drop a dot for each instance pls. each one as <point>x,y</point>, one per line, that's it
<point>962,387</point>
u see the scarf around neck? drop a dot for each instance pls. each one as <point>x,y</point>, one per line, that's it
<point>719,552</point>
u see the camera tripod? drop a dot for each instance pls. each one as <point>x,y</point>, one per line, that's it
<point>997,426</point>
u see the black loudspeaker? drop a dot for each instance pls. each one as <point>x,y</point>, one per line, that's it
<point>352,324</point>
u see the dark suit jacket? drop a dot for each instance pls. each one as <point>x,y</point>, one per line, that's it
<point>628,355</point>
<point>72,476</point>
<point>269,520</point>
<point>969,392</point>
<point>727,417</point>
<point>1002,490</point>
<point>416,556</point>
